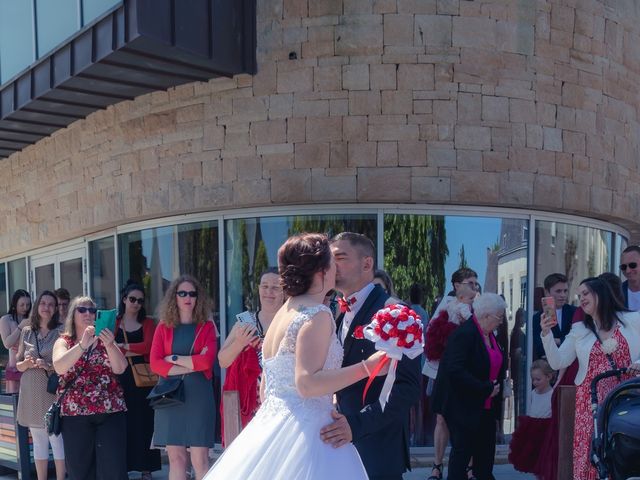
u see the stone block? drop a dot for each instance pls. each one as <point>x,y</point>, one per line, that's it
<point>496,161</point>
<point>357,7</point>
<point>327,79</point>
<point>417,7</point>
<point>448,7</point>
<point>291,186</point>
<point>552,139</point>
<point>474,32</point>
<point>534,136</point>
<point>327,129</point>
<point>575,197</point>
<point>546,114</point>
<point>415,77</point>
<point>564,165</point>
<point>364,103</point>
<point>441,157</point>
<point>387,154</point>
<point>475,187</point>
<point>412,154</point>
<point>601,200</point>
<point>382,76</point>
<point>393,132</point>
<point>339,108</point>
<point>445,112</point>
<point>397,102</point>
<point>472,137</point>
<point>362,154</point>
<point>469,108</point>
<point>574,142</point>
<point>271,131</point>
<point>338,155</point>
<point>515,37</point>
<point>213,196</point>
<point>326,7</point>
<point>296,130</point>
<point>385,6</point>
<point>562,17</point>
<point>469,160</point>
<point>398,30</point>
<point>430,189</point>
<point>522,111</point>
<point>358,39</point>
<point>297,80</point>
<point>333,188</point>
<point>213,137</point>
<point>310,108</point>
<point>256,191</point>
<point>295,8</point>
<point>355,77</point>
<point>249,168</point>
<point>355,128</point>
<point>495,109</point>
<point>546,162</point>
<point>547,191</point>
<point>311,155</point>
<point>432,30</point>
<point>384,184</point>
<point>516,188</point>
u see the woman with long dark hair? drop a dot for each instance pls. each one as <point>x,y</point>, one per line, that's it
<point>35,360</point>
<point>608,337</point>
<point>134,335</point>
<point>11,326</point>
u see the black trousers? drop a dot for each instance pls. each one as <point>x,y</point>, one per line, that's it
<point>95,446</point>
<point>478,442</point>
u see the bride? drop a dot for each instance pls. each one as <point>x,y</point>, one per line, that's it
<point>302,359</point>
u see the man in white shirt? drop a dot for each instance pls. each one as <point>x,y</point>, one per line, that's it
<point>630,267</point>
<point>365,423</point>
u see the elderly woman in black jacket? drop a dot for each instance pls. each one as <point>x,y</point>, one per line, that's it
<point>469,380</point>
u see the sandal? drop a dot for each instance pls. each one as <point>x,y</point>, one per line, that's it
<point>438,467</point>
<point>469,470</point>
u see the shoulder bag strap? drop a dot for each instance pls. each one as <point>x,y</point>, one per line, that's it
<point>126,340</point>
<point>193,344</point>
<point>68,386</point>
<point>612,362</point>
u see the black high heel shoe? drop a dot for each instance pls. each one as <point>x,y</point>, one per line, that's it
<point>438,467</point>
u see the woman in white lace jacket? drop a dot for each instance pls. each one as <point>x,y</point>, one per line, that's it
<point>609,337</point>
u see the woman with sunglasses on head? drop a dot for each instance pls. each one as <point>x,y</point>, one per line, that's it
<point>134,334</point>
<point>184,345</point>
<point>92,403</point>
<point>35,361</point>
<point>11,325</point>
<point>241,353</point>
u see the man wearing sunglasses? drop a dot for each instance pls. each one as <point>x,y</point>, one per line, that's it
<point>630,267</point>
<point>556,285</point>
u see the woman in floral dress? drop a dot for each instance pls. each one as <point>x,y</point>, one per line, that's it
<point>93,406</point>
<point>608,338</point>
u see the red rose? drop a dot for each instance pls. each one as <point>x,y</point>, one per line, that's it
<point>358,332</point>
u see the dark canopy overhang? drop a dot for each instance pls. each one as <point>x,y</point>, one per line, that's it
<point>139,47</point>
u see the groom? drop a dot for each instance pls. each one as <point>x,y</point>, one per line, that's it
<point>382,438</point>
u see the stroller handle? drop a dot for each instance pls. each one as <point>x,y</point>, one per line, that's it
<point>594,383</point>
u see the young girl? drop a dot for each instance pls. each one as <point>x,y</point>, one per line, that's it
<point>524,450</point>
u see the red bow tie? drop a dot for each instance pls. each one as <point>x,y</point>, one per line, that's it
<point>345,305</point>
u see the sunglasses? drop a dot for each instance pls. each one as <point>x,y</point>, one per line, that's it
<point>631,265</point>
<point>91,310</point>
<point>184,293</point>
<point>133,299</point>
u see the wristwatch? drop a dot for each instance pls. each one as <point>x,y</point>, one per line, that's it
<point>174,358</point>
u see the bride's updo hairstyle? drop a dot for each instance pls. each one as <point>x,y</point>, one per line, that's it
<point>299,258</point>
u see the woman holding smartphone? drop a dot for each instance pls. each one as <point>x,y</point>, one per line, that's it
<point>184,345</point>
<point>241,352</point>
<point>92,403</point>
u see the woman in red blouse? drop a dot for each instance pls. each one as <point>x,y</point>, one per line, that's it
<point>134,334</point>
<point>185,345</point>
<point>92,408</point>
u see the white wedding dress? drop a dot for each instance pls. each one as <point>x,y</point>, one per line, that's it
<point>283,442</point>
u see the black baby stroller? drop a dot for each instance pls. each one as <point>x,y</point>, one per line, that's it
<point>615,447</point>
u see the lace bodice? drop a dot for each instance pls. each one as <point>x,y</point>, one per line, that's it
<point>281,395</point>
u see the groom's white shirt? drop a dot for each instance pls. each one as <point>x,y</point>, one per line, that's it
<point>360,297</point>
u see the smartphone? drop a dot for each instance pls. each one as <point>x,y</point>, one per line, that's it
<point>549,308</point>
<point>245,317</point>
<point>105,319</point>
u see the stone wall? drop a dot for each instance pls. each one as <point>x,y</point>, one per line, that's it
<point>524,103</point>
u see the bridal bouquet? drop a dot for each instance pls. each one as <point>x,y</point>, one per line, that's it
<point>397,331</point>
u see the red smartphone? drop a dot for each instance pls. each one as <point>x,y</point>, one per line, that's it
<point>549,309</point>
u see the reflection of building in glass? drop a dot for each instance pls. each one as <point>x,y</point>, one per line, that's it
<point>578,252</point>
<point>511,256</point>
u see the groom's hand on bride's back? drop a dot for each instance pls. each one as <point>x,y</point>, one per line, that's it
<point>337,433</point>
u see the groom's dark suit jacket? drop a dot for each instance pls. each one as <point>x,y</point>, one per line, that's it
<point>382,438</point>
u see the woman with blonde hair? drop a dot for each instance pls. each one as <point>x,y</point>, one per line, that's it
<point>184,345</point>
<point>92,404</point>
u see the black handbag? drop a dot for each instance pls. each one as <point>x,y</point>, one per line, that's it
<point>167,393</point>
<point>52,378</point>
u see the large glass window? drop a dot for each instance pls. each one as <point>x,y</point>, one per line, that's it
<point>155,256</point>
<point>102,274</point>
<point>427,250</point>
<point>16,37</point>
<point>252,246</point>
<point>55,21</point>
<point>17,273</point>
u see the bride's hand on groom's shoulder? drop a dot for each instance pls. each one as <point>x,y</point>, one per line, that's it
<point>373,361</point>
<point>337,433</point>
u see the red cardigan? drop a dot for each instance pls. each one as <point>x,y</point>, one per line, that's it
<point>202,362</point>
<point>144,347</point>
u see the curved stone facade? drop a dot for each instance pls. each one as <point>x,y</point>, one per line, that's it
<point>521,103</point>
